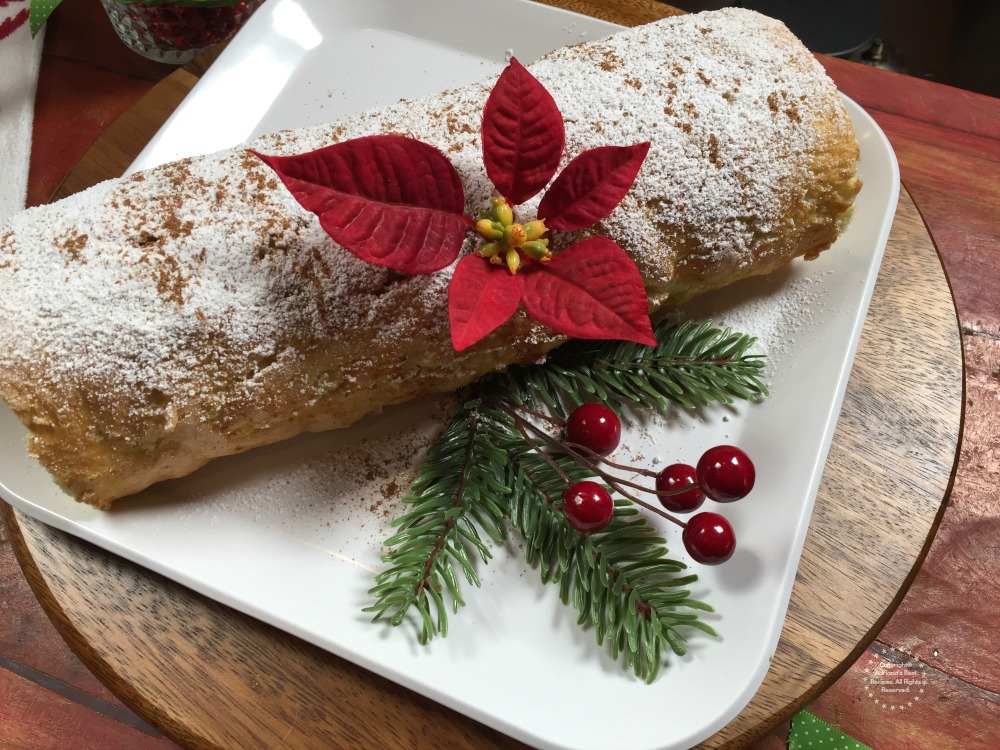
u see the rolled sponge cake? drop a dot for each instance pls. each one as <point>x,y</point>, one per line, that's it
<point>195,310</point>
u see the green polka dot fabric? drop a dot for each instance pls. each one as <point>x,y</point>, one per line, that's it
<point>810,732</point>
<point>39,12</point>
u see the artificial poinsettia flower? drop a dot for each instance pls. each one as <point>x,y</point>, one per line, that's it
<point>396,202</point>
<point>591,289</point>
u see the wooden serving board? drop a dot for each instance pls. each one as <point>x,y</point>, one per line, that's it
<point>210,677</point>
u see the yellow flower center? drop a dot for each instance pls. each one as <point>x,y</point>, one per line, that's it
<point>508,240</point>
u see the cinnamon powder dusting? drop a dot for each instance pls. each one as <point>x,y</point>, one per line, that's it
<point>184,274</point>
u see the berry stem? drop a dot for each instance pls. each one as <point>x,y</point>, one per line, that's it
<point>590,458</point>
<point>537,449</point>
<point>554,421</point>
<point>616,483</point>
<point>596,457</point>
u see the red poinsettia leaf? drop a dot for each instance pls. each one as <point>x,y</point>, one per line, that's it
<point>590,290</point>
<point>390,200</point>
<point>591,186</point>
<point>481,297</point>
<point>523,134</point>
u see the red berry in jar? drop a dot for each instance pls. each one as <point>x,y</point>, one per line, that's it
<point>594,426</point>
<point>588,506</point>
<point>725,473</point>
<point>709,538</point>
<point>673,480</point>
<point>188,27</point>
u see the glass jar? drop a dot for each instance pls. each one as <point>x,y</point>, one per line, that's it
<point>176,32</point>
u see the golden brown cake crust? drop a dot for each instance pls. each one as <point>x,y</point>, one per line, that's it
<point>155,322</point>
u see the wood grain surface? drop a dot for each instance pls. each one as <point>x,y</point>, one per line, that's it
<point>210,677</point>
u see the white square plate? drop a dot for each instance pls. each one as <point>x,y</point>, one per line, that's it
<point>292,534</point>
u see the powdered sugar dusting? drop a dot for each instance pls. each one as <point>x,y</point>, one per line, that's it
<point>775,310</point>
<point>195,291</point>
<point>338,491</point>
<point>734,107</point>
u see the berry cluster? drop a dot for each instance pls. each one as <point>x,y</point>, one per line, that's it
<point>724,473</point>
<point>190,27</point>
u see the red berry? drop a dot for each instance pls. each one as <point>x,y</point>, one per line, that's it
<point>673,479</point>
<point>594,426</point>
<point>709,538</point>
<point>183,27</point>
<point>588,506</point>
<point>725,473</point>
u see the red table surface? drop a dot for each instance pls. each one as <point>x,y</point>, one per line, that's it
<point>948,145</point>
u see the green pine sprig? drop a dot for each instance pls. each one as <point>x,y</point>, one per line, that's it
<point>457,493</point>
<point>694,365</point>
<point>619,580</point>
<point>490,468</point>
